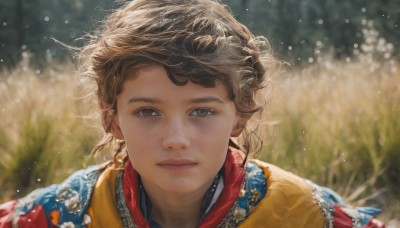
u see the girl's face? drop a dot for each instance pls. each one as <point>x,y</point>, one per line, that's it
<point>177,136</point>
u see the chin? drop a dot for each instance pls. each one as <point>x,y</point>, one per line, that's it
<point>180,188</point>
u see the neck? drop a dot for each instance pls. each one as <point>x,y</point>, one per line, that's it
<point>175,209</point>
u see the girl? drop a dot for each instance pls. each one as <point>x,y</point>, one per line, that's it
<point>177,82</point>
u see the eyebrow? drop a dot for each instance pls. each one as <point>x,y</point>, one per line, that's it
<point>142,99</point>
<point>195,100</point>
<point>206,99</point>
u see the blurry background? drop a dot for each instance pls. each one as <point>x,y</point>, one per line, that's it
<point>294,27</point>
<point>333,114</point>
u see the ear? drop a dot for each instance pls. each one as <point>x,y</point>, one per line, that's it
<point>236,131</point>
<point>240,124</point>
<point>115,128</point>
<point>110,121</point>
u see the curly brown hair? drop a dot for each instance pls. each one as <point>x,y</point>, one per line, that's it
<point>195,40</point>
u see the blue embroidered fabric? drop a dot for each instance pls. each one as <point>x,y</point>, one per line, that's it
<point>70,198</point>
<point>327,199</point>
<point>253,190</point>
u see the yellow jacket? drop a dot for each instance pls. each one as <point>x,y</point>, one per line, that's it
<point>257,195</point>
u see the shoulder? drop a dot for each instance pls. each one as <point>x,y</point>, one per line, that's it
<point>63,203</point>
<point>292,201</point>
<point>286,199</point>
<point>338,213</point>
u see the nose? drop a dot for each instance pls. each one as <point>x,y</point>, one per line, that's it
<point>176,136</point>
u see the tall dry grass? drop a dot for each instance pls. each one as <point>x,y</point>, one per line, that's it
<point>338,124</point>
<point>43,137</point>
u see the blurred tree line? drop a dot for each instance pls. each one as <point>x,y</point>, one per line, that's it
<point>292,26</point>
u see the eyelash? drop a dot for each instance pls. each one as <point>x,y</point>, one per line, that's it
<point>209,111</point>
<point>140,113</point>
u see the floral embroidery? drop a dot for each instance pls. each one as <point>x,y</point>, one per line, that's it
<point>254,196</point>
<point>62,205</point>
<point>66,204</point>
<point>62,192</point>
<point>73,204</point>
<point>242,192</point>
<point>329,202</point>
<point>71,197</point>
<point>67,225</point>
<point>253,190</point>
<point>239,214</point>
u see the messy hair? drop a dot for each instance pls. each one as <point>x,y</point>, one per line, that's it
<point>196,41</point>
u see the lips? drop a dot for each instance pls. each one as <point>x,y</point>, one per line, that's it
<point>177,164</point>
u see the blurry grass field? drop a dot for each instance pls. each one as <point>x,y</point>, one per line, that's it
<point>44,132</point>
<point>338,124</point>
<point>335,123</point>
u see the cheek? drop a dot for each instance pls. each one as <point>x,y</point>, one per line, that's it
<point>141,151</point>
<point>215,138</point>
<point>132,129</point>
<point>138,139</point>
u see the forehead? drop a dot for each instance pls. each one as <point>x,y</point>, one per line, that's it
<point>152,80</point>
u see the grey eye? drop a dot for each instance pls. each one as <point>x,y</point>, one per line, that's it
<point>202,112</point>
<point>147,112</point>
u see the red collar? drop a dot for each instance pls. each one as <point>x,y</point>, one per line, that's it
<point>131,193</point>
<point>228,197</point>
